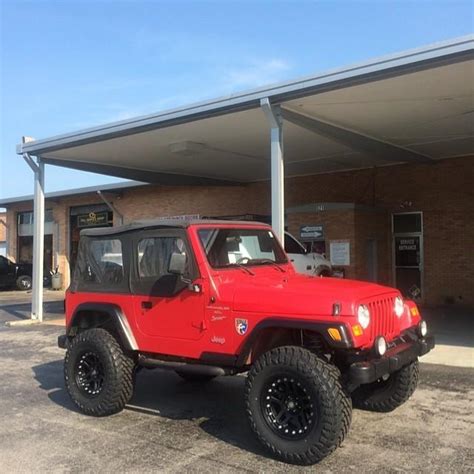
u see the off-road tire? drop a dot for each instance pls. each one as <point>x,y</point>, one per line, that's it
<point>333,406</point>
<point>23,283</point>
<point>386,395</point>
<point>118,369</point>
<point>192,377</point>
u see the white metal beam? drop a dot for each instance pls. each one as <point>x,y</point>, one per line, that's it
<point>355,139</point>
<point>38,238</point>
<point>273,115</point>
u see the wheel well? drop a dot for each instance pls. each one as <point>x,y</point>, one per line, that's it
<point>85,319</point>
<point>272,337</point>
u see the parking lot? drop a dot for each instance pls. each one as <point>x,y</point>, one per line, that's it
<point>176,426</point>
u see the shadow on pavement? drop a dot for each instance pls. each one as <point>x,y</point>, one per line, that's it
<point>52,310</point>
<point>451,326</point>
<point>218,403</point>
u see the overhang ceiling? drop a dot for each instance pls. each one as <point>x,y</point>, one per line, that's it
<point>427,108</point>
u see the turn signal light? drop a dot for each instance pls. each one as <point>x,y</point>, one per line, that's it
<point>414,311</point>
<point>357,330</point>
<point>335,334</point>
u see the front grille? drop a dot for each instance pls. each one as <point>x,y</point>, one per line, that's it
<point>383,321</point>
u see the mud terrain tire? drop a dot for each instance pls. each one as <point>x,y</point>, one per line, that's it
<point>386,395</point>
<point>97,373</point>
<point>292,380</point>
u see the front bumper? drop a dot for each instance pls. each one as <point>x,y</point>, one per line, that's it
<point>404,352</point>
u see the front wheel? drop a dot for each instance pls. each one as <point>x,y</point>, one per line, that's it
<point>98,374</point>
<point>296,405</point>
<point>388,393</point>
<point>23,283</point>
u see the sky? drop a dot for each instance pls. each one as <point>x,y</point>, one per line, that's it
<point>67,65</point>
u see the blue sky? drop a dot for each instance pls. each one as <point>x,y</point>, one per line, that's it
<point>67,65</point>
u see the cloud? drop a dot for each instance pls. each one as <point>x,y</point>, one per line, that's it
<point>255,74</point>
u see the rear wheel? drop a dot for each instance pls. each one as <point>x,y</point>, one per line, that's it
<point>192,377</point>
<point>296,405</point>
<point>23,283</point>
<point>97,373</point>
<point>388,393</point>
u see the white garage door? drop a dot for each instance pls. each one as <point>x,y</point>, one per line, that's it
<point>3,249</point>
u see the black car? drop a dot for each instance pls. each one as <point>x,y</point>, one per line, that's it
<point>15,274</point>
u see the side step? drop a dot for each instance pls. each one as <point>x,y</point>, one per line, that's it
<point>150,363</point>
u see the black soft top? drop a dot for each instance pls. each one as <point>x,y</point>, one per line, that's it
<point>166,223</point>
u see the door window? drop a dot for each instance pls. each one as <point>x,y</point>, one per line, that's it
<point>153,255</point>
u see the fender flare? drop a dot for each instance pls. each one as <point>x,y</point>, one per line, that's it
<point>116,313</point>
<point>318,327</point>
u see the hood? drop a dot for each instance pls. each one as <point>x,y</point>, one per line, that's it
<point>303,295</point>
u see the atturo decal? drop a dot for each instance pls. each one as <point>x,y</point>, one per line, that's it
<point>241,326</point>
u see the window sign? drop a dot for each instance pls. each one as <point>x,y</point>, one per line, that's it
<point>92,219</point>
<point>340,253</point>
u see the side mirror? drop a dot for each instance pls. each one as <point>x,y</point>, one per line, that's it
<point>177,265</point>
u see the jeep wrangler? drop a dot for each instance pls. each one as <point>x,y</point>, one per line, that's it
<point>213,298</point>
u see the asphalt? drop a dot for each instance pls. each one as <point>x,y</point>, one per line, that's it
<point>174,426</point>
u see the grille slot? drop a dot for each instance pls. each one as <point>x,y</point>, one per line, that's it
<point>382,318</point>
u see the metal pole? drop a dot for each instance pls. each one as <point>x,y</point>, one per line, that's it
<point>38,243</point>
<point>273,115</point>
<point>112,208</point>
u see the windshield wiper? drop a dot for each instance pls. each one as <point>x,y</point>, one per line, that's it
<point>258,261</point>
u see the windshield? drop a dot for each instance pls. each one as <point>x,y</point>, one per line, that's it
<point>229,247</point>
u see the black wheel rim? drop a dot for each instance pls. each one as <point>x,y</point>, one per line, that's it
<point>90,374</point>
<point>288,407</point>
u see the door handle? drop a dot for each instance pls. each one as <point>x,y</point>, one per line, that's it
<point>147,305</point>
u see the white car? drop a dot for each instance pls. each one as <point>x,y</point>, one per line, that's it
<point>309,263</point>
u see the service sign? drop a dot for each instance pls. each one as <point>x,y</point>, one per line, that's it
<point>340,253</point>
<point>92,219</point>
<point>311,232</point>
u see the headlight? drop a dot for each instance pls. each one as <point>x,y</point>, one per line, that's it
<point>422,328</point>
<point>380,346</point>
<point>399,307</point>
<point>363,316</point>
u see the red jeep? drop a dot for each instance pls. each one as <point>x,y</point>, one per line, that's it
<point>213,298</point>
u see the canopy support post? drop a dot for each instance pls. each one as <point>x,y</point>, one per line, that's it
<point>274,118</point>
<point>38,237</point>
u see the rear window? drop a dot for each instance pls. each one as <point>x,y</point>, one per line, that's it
<point>100,265</point>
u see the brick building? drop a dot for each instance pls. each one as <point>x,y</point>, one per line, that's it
<point>356,207</point>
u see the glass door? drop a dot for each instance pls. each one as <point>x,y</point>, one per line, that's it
<point>408,253</point>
